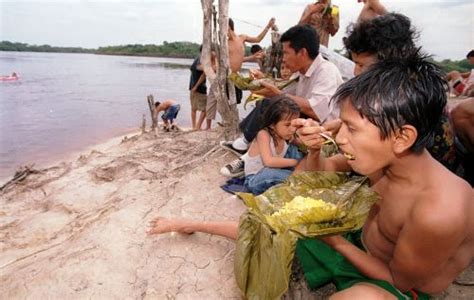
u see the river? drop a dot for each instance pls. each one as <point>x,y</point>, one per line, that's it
<point>63,103</point>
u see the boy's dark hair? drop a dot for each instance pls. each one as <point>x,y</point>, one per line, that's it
<point>157,103</point>
<point>231,24</point>
<point>387,36</point>
<point>398,92</point>
<point>200,48</point>
<point>255,48</point>
<point>470,54</point>
<point>302,36</point>
<point>280,107</point>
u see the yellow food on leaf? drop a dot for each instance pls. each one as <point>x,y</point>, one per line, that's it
<point>304,210</point>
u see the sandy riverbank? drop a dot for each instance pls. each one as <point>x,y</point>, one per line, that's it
<point>77,229</point>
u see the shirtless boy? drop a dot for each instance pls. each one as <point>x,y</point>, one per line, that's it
<point>236,44</point>
<point>171,109</point>
<point>420,235</point>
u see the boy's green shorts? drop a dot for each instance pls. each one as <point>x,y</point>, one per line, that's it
<point>322,264</point>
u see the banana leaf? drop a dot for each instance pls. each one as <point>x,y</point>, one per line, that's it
<point>265,250</point>
<point>253,98</point>
<point>247,83</point>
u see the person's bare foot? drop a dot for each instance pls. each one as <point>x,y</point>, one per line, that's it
<point>164,225</point>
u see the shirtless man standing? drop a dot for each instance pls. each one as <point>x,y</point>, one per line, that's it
<point>236,45</point>
<point>318,15</point>
<point>237,42</point>
<point>419,236</point>
<point>371,9</point>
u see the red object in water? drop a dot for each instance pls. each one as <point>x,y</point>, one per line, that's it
<point>9,78</point>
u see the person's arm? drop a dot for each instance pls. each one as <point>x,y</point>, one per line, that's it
<point>368,265</point>
<point>309,10</point>
<point>333,24</point>
<point>262,34</point>
<point>271,90</point>
<point>201,79</point>
<point>157,110</point>
<point>414,260</point>
<point>377,7</point>
<point>254,57</point>
<point>263,143</point>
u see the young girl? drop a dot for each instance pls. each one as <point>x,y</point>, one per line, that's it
<point>265,161</point>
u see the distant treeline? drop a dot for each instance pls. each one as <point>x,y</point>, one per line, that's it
<point>449,65</point>
<point>173,49</point>
<point>9,46</point>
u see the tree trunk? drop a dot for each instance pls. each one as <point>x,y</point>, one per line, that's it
<point>151,106</point>
<point>227,109</point>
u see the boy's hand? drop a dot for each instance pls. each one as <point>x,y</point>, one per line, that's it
<point>269,90</point>
<point>308,131</point>
<point>256,74</point>
<point>271,23</point>
<point>259,55</point>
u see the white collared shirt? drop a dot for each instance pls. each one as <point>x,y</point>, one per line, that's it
<point>318,85</point>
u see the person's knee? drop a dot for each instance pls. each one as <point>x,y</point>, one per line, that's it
<point>363,291</point>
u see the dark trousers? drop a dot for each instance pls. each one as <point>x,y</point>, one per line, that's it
<point>238,93</point>
<point>250,125</point>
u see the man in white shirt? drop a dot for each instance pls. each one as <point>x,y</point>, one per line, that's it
<point>318,78</point>
<point>318,81</point>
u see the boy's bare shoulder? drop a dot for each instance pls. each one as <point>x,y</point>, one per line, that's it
<point>448,200</point>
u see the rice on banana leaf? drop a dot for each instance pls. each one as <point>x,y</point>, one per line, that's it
<point>303,210</point>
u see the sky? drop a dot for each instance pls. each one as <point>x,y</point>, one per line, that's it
<point>446,27</point>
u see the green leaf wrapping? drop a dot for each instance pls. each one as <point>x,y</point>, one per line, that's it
<point>265,250</point>
<point>247,83</point>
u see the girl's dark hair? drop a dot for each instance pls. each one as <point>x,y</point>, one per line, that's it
<point>280,107</point>
<point>397,92</point>
<point>387,36</point>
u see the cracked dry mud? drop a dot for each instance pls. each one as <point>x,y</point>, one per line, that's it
<point>77,230</point>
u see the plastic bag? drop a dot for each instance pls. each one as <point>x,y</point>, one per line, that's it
<point>265,250</point>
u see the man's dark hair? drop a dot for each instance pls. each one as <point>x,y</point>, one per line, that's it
<point>397,92</point>
<point>387,36</point>
<point>200,48</point>
<point>157,103</point>
<point>470,54</point>
<point>302,36</point>
<point>255,48</point>
<point>231,24</point>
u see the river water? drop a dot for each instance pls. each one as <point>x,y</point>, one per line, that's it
<point>63,103</point>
